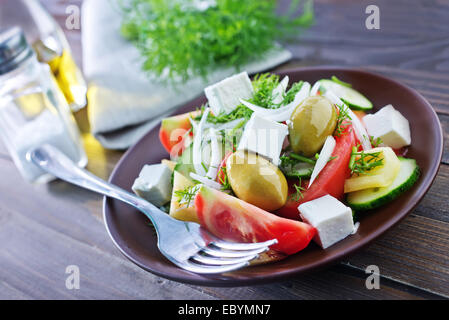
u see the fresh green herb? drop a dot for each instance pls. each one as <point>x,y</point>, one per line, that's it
<point>286,162</point>
<point>298,192</point>
<point>178,40</point>
<point>239,126</point>
<point>345,84</point>
<point>289,96</point>
<point>343,120</point>
<point>332,158</point>
<point>363,162</point>
<point>241,111</point>
<point>375,142</point>
<point>296,166</point>
<point>186,196</point>
<point>264,85</point>
<point>302,158</point>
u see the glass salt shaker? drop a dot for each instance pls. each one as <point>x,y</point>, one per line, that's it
<point>47,39</point>
<point>33,110</point>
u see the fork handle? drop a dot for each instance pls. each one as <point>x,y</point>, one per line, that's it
<point>58,164</point>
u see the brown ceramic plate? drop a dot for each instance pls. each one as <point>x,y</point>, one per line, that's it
<point>131,233</point>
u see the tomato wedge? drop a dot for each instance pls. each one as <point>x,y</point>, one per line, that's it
<point>232,219</point>
<point>173,130</point>
<point>330,181</point>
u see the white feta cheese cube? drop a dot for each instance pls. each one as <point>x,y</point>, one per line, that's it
<point>332,219</point>
<point>264,137</point>
<point>224,95</point>
<point>154,184</point>
<point>389,125</point>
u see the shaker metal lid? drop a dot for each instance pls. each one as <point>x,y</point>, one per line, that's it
<point>14,49</point>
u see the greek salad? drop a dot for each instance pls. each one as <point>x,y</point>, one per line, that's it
<point>266,158</point>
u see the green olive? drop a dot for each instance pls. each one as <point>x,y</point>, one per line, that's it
<point>256,180</point>
<point>312,121</point>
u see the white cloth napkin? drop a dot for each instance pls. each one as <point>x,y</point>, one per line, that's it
<point>123,103</point>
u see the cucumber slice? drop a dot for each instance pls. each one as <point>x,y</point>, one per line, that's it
<point>354,99</point>
<point>299,170</point>
<point>375,197</point>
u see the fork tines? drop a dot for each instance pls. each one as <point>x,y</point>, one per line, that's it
<point>222,256</point>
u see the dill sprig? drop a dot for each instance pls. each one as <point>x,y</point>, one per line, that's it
<point>343,120</point>
<point>241,111</point>
<point>362,162</point>
<point>264,85</point>
<point>375,142</point>
<point>179,41</point>
<point>289,164</point>
<point>298,192</point>
<point>301,158</point>
<point>186,196</point>
<point>289,96</point>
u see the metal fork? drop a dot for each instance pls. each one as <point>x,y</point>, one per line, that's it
<point>186,244</point>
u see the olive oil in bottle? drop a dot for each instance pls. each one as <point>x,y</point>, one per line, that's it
<point>49,43</point>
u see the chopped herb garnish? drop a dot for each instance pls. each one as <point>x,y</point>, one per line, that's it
<point>302,158</point>
<point>264,85</point>
<point>298,192</point>
<point>296,166</point>
<point>289,96</point>
<point>186,196</point>
<point>343,120</point>
<point>241,111</point>
<point>362,162</point>
<point>375,142</point>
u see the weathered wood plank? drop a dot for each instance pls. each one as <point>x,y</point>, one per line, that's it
<point>416,250</point>
<point>36,258</point>
<point>337,282</point>
<point>411,35</point>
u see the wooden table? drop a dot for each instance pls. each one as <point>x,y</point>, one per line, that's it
<point>43,229</point>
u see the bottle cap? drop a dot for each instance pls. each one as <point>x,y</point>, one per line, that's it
<point>14,49</point>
